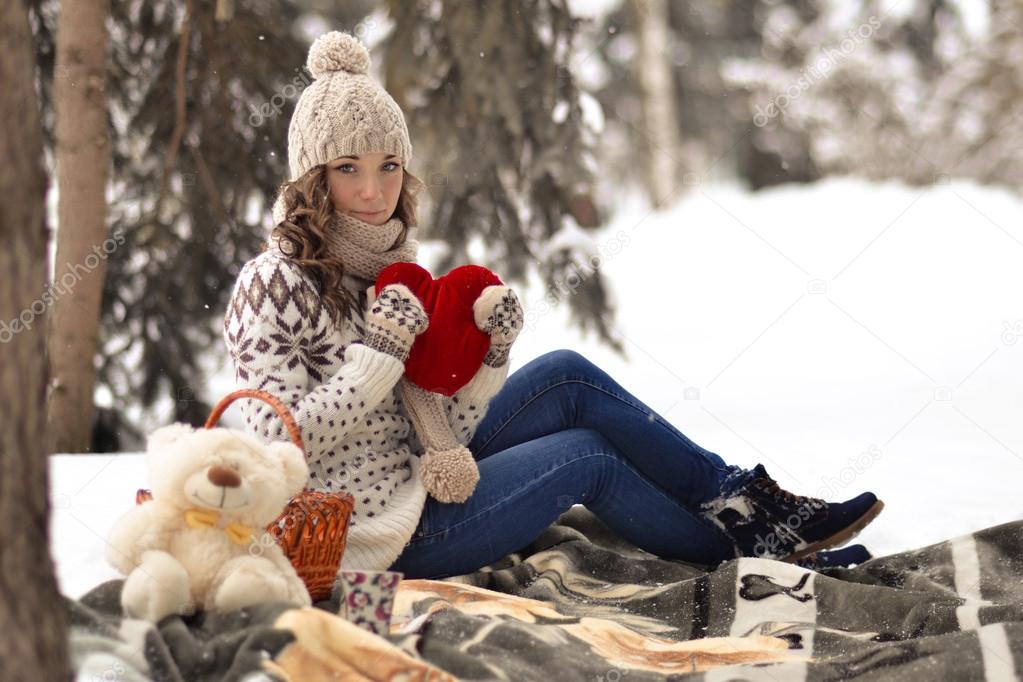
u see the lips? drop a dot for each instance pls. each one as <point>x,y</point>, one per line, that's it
<point>371,214</point>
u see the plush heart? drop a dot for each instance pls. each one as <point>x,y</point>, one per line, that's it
<point>450,352</point>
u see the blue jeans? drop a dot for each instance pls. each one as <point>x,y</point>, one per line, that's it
<point>562,432</point>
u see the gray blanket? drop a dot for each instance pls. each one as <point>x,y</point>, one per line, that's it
<point>582,604</point>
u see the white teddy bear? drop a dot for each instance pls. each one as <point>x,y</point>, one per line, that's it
<point>201,541</point>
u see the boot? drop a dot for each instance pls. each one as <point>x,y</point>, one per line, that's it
<point>763,520</point>
<point>845,557</point>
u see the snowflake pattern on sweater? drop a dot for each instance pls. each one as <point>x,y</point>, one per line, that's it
<point>343,395</point>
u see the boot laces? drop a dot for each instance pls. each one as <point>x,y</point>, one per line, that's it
<point>771,486</point>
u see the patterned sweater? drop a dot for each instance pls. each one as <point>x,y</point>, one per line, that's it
<point>357,435</point>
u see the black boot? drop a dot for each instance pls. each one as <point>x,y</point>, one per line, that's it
<point>845,557</point>
<point>763,520</point>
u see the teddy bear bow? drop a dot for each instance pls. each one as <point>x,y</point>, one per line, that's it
<point>207,518</point>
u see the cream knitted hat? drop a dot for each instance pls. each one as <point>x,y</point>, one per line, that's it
<point>344,111</point>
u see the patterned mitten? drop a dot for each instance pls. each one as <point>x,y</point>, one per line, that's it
<point>498,313</point>
<point>394,320</point>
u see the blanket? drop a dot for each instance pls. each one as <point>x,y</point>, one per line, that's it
<point>580,603</point>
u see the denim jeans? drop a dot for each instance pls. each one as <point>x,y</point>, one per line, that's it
<point>562,432</point>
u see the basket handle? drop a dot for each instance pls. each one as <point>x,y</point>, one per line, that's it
<point>282,411</point>
<point>144,495</point>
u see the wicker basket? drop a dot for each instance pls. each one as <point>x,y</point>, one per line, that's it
<point>313,528</point>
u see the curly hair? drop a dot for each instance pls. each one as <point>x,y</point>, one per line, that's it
<point>309,211</point>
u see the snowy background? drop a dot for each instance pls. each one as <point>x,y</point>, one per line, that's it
<point>849,335</point>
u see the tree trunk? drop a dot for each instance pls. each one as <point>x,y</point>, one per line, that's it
<point>31,615</point>
<point>657,96</point>
<point>83,161</point>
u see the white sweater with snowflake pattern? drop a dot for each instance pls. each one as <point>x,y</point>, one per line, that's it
<point>343,395</point>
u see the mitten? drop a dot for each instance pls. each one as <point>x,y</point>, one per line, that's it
<point>497,312</point>
<point>394,320</point>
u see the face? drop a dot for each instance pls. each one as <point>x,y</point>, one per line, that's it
<point>366,186</point>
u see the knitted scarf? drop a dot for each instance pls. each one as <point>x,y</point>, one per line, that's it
<point>449,470</point>
<point>365,248</point>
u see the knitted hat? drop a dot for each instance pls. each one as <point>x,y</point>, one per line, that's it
<point>344,111</point>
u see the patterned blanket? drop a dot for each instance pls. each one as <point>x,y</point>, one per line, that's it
<point>582,604</point>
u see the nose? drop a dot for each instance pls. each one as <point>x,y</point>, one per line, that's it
<point>370,189</point>
<point>223,476</point>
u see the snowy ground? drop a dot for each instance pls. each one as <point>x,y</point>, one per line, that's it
<point>849,335</point>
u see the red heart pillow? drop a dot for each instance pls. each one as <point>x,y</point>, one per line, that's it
<point>450,352</point>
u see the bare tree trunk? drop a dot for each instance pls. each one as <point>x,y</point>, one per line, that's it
<point>660,131</point>
<point>83,161</point>
<point>31,615</point>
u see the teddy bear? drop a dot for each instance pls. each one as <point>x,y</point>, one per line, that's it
<point>200,542</point>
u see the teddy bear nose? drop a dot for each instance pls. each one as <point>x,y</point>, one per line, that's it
<point>223,476</point>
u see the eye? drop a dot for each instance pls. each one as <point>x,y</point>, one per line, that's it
<point>394,167</point>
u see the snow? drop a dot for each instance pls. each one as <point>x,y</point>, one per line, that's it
<point>593,114</point>
<point>849,335</point>
<point>87,495</point>
<point>976,17</point>
<point>569,237</point>
<point>593,10</point>
<point>560,111</point>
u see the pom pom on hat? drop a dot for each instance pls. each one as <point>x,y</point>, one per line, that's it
<point>337,51</point>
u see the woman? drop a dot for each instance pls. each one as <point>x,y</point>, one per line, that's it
<point>558,432</point>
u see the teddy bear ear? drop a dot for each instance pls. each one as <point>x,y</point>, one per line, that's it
<point>296,471</point>
<point>165,435</point>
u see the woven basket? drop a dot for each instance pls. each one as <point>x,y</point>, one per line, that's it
<point>313,528</point>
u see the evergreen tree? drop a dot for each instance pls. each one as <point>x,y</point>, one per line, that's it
<point>715,120</point>
<point>200,94</point>
<point>82,169</point>
<point>496,118</point>
<point>913,96</point>
<point>32,616</point>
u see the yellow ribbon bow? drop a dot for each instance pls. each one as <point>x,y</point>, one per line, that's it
<point>208,518</point>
